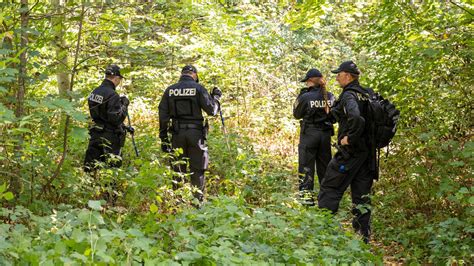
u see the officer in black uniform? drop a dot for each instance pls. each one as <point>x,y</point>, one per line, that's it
<point>181,104</point>
<point>350,166</point>
<point>312,106</point>
<point>108,111</point>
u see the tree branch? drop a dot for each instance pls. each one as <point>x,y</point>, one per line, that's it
<point>461,7</point>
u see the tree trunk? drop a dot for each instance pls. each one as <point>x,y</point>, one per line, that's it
<point>47,186</point>
<point>60,46</point>
<point>15,182</point>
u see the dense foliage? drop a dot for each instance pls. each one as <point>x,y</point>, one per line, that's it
<point>53,54</point>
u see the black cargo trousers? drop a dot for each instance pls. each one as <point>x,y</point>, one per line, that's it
<point>314,149</point>
<point>105,145</point>
<point>344,170</point>
<point>191,138</point>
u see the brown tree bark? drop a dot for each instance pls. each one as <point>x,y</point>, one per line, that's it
<point>15,182</point>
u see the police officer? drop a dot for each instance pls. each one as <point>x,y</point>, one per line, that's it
<point>181,104</point>
<point>108,111</point>
<point>350,166</point>
<point>312,107</point>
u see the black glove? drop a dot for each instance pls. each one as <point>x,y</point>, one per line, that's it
<point>124,100</point>
<point>216,93</point>
<point>130,129</point>
<point>165,146</point>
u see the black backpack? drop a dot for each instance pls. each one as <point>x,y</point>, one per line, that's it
<point>383,116</point>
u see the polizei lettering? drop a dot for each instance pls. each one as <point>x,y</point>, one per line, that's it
<point>183,92</point>
<point>362,97</point>
<point>96,98</point>
<point>319,104</point>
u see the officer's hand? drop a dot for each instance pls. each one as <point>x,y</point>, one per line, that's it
<point>345,140</point>
<point>165,146</point>
<point>216,93</point>
<point>130,129</point>
<point>124,100</point>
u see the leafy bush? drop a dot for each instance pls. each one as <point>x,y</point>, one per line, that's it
<point>225,230</point>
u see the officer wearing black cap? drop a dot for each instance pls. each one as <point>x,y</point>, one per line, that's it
<point>108,111</point>
<point>350,166</point>
<point>312,107</point>
<point>181,105</point>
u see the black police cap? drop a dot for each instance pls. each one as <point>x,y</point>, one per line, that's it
<point>347,66</point>
<point>312,73</point>
<point>189,68</point>
<point>113,70</point>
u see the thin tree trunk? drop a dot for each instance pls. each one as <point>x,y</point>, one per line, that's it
<point>62,58</point>
<point>68,118</point>
<point>15,183</point>
<point>60,46</point>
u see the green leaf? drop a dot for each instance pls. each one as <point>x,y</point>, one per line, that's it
<point>8,196</point>
<point>188,256</point>
<point>78,235</point>
<point>79,133</point>
<point>95,205</point>
<point>153,208</point>
<point>96,218</point>
<point>135,232</point>
<point>457,163</point>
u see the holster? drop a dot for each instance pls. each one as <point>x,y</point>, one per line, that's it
<point>205,129</point>
<point>343,151</point>
<point>122,137</point>
<point>303,127</point>
<point>174,127</point>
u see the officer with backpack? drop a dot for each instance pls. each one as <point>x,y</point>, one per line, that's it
<point>351,165</point>
<point>108,111</point>
<point>312,106</point>
<point>180,114</point>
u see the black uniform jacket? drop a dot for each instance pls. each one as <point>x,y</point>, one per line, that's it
<point>310,107</point>
<point>183,102</point>
<point>351,113</point>
<point>105,106</point>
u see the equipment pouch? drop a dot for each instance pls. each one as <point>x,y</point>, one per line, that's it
<point>343,151</point>
<point>205,129</point>
<point>303,127</point>
<point>336,172</point>
<point>122,138</point>
<point>174,129</point>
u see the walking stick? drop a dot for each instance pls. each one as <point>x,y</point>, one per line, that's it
<point>224,129</point>
<point>132,132</point>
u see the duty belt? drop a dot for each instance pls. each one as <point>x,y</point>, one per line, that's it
<point>100,127</point>
<point>189,126</point>
<point>314,125</point>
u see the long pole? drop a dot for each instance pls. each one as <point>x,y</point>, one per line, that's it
<point>133,136</point>
<point>224,129</point>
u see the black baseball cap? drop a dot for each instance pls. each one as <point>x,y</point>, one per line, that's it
<point>189,68</point>
<point>312,73</point>
<point>113,70</point>
<point>347,66</point>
